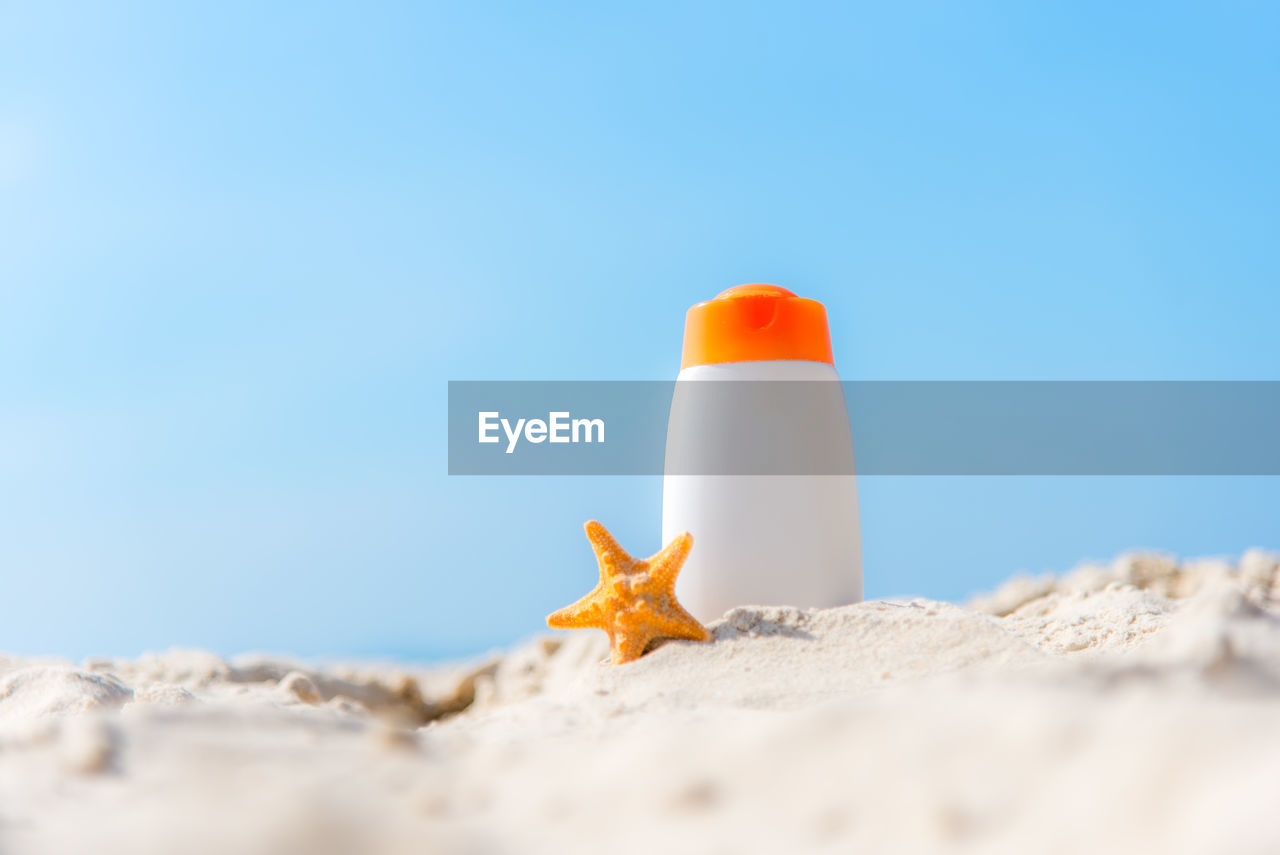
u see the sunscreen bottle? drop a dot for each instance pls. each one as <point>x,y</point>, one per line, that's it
<point>759,458</point>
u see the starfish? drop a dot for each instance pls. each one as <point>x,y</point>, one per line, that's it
<point>635,601</point>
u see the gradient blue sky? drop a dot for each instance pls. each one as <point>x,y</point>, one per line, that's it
<point>243,249</point>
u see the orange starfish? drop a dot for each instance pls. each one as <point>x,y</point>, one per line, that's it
<point>635,601</point>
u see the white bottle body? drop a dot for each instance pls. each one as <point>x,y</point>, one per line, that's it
<point>775,539</point>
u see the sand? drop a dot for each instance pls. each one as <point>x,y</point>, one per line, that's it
<point>1128,708</point>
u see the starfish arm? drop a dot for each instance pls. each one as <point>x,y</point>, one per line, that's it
<point>627,646</point>
<point>586,613</point>
<point>608,553</point>
<point>678,623</point>
<point>665,566</point>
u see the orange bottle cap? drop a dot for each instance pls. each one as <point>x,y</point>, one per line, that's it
<point>757,322</point>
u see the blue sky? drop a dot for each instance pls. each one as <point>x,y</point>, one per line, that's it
<point>242,250</point>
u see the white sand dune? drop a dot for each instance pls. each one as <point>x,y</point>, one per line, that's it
<point>1129,708</point>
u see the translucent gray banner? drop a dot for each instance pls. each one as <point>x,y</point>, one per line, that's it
<point>897,428</point>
